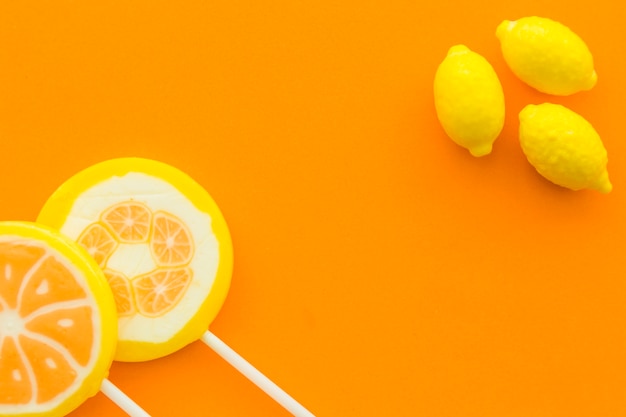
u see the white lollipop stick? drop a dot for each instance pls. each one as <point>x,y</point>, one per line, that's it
<point>250,372</point>
<point>122,400</point>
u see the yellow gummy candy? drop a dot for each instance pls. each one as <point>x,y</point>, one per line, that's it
<point>564,147</point>
<point>469,100</point>
<point>547,55</point>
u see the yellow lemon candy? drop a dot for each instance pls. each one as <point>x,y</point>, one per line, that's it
<point>563,147</point>
<point>469,100</point>
<point>547,55</point>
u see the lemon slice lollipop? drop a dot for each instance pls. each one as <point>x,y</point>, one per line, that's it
<point>162,243</point>
<point>57,323</point>
<point>165,250</point>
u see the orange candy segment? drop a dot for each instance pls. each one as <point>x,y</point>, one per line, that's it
<point>122,292</point>
<point>12,272</point>
<point>49,282</point>
<point>53,372</point>
<point>15,384</point>
<point>68,327</point>
<point>99,242</point>
<point>171,244</point>
<point>161,290</point>
<point>130,221</point>
<point>57,328</point>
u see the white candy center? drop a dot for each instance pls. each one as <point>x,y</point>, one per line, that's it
<point>132,259</point>
<point>11,323</point>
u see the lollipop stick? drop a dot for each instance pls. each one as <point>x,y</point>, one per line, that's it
<point>122,400</point>
<point>250,372</point>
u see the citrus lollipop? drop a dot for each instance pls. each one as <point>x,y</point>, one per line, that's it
<point>57,323</point>
<point>165,250</point>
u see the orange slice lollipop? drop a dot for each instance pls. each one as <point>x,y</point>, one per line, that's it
<point>162,242</point>
<point>57,322</point>
<point>166,251</point>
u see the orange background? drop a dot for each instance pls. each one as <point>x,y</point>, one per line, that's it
<point>380,270</point>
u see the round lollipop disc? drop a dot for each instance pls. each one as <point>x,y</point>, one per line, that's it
<point>57,322</point>
<point>162,243</point>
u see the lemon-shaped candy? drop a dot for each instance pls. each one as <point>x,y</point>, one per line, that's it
<point>547,55</point>
<point>469,100</point>
<point>563,147</point>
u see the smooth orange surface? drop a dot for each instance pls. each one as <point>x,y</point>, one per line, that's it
<point>380,270</point>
